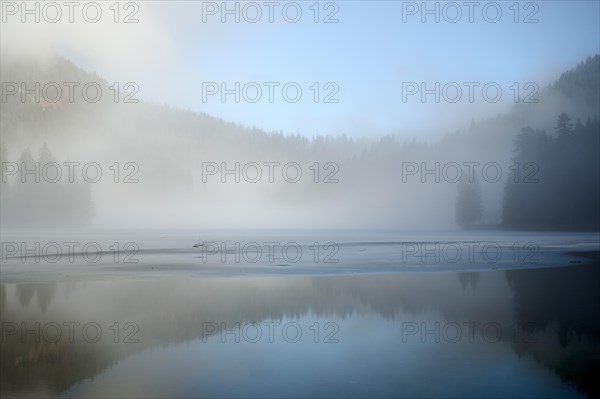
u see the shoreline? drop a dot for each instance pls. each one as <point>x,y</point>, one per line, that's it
<point>36,273</point>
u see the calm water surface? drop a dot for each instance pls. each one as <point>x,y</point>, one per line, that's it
<point>479,332</point>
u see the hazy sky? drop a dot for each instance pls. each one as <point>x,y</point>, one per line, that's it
<point>368,54</point>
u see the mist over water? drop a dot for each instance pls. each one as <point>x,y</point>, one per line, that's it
<point>138,163</point>
<point>181,176</point>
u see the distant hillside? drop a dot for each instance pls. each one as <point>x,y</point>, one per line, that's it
<point>32,119</point>
<point>575,92</point>
<point>170,145</point>
<point>581,83</point>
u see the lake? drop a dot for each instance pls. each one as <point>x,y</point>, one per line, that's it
<point>300,314</point>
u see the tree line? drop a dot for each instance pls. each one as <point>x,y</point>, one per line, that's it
<point>36,200</point>
<point>565,195</point>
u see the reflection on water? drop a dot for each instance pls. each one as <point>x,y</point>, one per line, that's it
<point>525,333</point>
